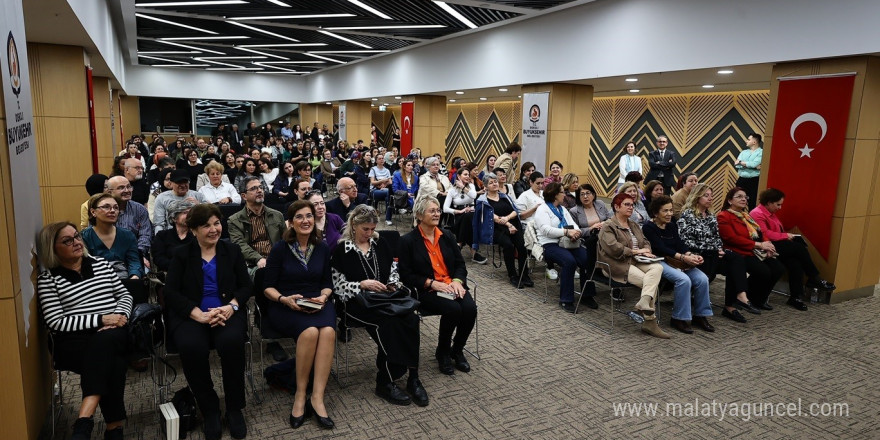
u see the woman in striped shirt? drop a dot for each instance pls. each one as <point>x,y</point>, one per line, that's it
<point>86,308</point>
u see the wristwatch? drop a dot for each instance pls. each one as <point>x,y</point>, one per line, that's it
<point>234,307</point>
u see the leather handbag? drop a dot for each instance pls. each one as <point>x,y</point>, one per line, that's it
<point>568,243</point>
<point>397,303</point>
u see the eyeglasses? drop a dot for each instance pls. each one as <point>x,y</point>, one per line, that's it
<point>741,196</point>
<point>108,208</point>
<point>255,188</point>
<point>122,188</point>
<point>313,192</point>
<point>68,241</point>
<point>586,193</point>
<point>627,205</point>
<point>138,168</point>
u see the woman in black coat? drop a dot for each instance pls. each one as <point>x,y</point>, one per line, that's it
<point>206,285</point>
<point>421,268</point>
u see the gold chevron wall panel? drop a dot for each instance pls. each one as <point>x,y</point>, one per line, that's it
<point>478,130</point>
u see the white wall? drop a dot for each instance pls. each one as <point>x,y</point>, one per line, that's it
<point>95,17</point>
<point>204,84</point>
<point>613,38</point>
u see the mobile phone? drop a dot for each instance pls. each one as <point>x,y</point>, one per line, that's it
<point>568,227</point>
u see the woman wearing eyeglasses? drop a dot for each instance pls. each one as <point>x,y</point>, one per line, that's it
<point>103,239</point>
<point>86,307</point>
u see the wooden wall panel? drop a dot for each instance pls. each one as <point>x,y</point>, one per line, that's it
<point>10,370</point>
<point>358,120</point>
<point>62,203</point>
<point>130,116</point>
<point>63,160</point>
<point>58,81</point>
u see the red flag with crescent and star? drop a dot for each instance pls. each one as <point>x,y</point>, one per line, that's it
<point>807,151</point>
<point>406,127</point>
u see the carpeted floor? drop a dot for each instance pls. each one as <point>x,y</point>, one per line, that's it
<point>546,374</point>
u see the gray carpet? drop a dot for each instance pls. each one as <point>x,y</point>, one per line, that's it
<point>546,374</point>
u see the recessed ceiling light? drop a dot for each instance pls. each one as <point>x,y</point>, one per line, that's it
<point>708,86</point>
<point>519,96</point>
<point>369,8</point>
<point>368,28</point>
<point>200,3</point>
<point>502,90</point>
<point>634,90</point>
<point>292,17</point>
<point>347,40</point>
<point>483,99</point>
<point>451,100</point>
<point>725,72</point>
<point>397,97</point>
<point>328,103</point>
<point>459,93</point>
<point>455,14</point>
<point>375,99</point>
<point>257,29</point>
<point>174,23</point>
<point>385,104</point>
<point>631,80</point>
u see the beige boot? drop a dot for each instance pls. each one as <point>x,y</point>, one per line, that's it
<point>650,327</point>
<point>645,304</point>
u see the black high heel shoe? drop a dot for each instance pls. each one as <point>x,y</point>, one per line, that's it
<point>323,422</point>
<point>296,422</point>
<point>747,306</point>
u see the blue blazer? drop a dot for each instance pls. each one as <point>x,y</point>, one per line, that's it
<point>483,223</point>
<point>397,184</point>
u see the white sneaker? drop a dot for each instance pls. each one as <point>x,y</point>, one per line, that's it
<point>389,222</point>
<point>401,211</point>
<point>552,274</point>
<point>577,275</point>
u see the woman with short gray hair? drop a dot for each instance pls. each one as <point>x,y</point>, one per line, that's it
<point>166,242</point>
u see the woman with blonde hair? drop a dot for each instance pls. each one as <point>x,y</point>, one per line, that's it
<point>570,183</point>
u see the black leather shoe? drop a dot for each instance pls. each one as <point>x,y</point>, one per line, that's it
<point>747,306</point>
<point>393,394</point>
<point>527,281</point>
<point>296,422</point>
<point>703,323</point>
<point>766,306</point>
<point>445,362</point>
<point>343,334</point>
<point>237,426</point>
<point>568,307</point>
<point>617,294</point>
<point>820,284</point>
<point>461,363</point>
<point>514,281</point>
<point>212,427</point>
<point>798,304</point>
<point>82,428</point>
<point>590,302</point>
<point>323,422</point>
<point>417,392</point>
<point>114,434</point>
<point>682,326</point>
<point>278,353</point>
<point>734,315</point>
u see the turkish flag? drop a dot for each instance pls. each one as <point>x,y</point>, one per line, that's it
<point>406,127</point>
<point>807,150</point>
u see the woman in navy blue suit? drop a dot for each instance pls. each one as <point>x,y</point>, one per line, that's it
<point>299,267</point>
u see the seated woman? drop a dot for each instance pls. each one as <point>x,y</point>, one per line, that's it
<point>364,262</point>
<point>268,171</point>
<point>620,241</point>
<point>166,242</point>
<point>686,183</point>
<point>328,225</point>
<point>216,190</point>
<point>249,169</point>
<point>116,245</point>
<point>86,307</point>
<point>652,191</point>
<point>380,186</point>
<point>460,205</point>
<point>405,179</point>
<point>570,184</point>
<point>161,185</point>
<point>679,269</point>
<point>792,249</point>
<point>589,213</point>
<point>552,222</point>
<point>496,220</point>
<point>639,213</point>
<point>698,228</point>
<point>741,234</point>
<point>206,284</point>
<point>281,187</point>
<point>503,186</point>
<point>431,262</point>
<point>299,267</point>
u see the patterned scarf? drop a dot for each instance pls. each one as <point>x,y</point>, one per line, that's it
<point>302,256</point>
<point>751,225</point>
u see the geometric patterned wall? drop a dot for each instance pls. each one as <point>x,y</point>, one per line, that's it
<point>706,130</point>
<point>478,130</point>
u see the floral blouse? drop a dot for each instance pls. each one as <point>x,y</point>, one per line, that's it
<point>699,233</point>
<point>351,266</point>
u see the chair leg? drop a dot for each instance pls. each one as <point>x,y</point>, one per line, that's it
<point>249,372</point>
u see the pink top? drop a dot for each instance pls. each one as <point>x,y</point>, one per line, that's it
<point>770,224</point>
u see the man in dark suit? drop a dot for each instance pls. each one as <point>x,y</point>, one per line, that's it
<point>236,139</point>
<point>348,198</point>
<point>662,164</point>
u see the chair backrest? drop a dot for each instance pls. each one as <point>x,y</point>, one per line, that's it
<point>531,241</point>
<point>392,237</point>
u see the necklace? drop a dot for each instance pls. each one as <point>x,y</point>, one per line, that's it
<point>369,265</point>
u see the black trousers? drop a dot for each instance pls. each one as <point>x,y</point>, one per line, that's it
<point>462,226</point>
<point>458,316</point>
<point>732,265</point>
<point>763,275</point>
<point>397,340</point>
<point>100,359</point>
<point>194,341</point>
<point>794,256</point>
<point>750,184</point>
<point>513,246</point>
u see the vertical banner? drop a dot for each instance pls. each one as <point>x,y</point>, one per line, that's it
<point>807,150</point>
<point>343,134</point>
<point>536,113</point>
<point>406,127</point>
<point>22,149</point>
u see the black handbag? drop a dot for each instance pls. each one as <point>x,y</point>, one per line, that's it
<point>145,329</point>
<point>396,303</point>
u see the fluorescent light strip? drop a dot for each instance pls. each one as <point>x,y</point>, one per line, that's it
<point>349,40</point>
<point>229,37</point>
<point>179,65</point>
<point>369,8</point>
<point>292,17</point>
<point>403,26</point>
<point>217,62</point>
<point>174,23</point>
<point>284,45</point>
<point>162,59</point>
<point>234,68</point>
<point>166,52</point>
<point>189,47</point>
<point>455,14</point>
<point>256,29</point>
<point>260,53</point>
<point>277,68</point>
<point>321,57</point>
<point>294,62</point>
<point>201,3</point>
<point>235,58</point>
<point>279,3</point>
<point>351,51</point>
<point>271,72</point>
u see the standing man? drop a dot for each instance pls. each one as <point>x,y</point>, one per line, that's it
<point>269,132</point>
<point>508,159</point>
<point>179,191</point>
<point>134,172</point>
<point>748,167</point>
<point>314,133</point>
<point>132,215</point>
<point>662,164</point>
<point>236,139</point>
<point>348,198</point>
